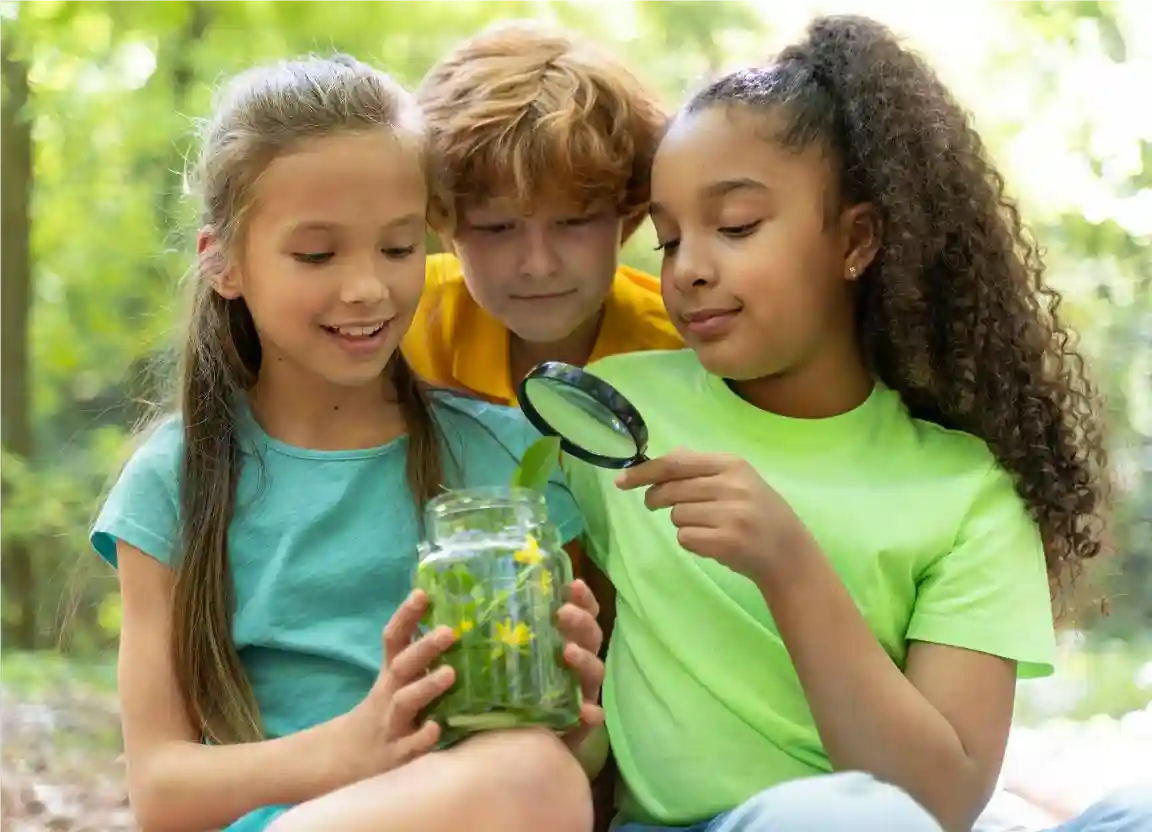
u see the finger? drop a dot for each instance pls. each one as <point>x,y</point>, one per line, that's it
<point>589,670</point>
<point>591,715</point>
<point>411,699</point>
<point>674,492</point>
<point>580,594</point>
<point>401,627</point>
<point>698,515</point>
<point>419,742</point>
<point>590,720</point>
<point>415,659</point>
<point>707,543</point>
<point>675,465</point>
<point>580,626</point>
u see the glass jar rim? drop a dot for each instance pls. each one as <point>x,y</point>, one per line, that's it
<point>477,496</point>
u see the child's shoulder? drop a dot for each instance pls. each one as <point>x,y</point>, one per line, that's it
<point>486,443</point>
<point>957,463</point>
<point>638,313</point>
<point>443,272</point>
<point>432,338</point>
<point>475,425</point>
<point>952,450</point>
<point>142,506</point>
<point>155,459</point>
<point>643,367</point>
<point>648,284</point>
<point>159,448</point>
<point>444,287</point>
<point>453,405</point>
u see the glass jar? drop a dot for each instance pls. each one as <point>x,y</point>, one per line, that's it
<point>495,572</point>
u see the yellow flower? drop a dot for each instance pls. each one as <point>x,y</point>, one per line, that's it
<point>530,554</point>
<point>508,635</point>
<point>463,627</point>
<point>545,583</point>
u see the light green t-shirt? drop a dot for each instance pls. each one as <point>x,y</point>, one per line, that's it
<point>703,704</point>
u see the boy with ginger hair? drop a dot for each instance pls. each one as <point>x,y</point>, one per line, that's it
<point>545,143</point>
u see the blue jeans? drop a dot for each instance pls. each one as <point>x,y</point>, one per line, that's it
<point>830,802</point>
<point>855,801</point>
<point>1128,810</point>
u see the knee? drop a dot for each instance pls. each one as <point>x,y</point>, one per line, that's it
<point>844,801</point>
<point>543,777</point>
<point>507,781</point>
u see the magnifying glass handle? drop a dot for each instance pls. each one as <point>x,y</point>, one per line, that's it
<point>642,458</point>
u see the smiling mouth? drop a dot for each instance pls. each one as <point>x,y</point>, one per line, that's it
<point>709,324</point>
<point>702,315</point>
<point>358,330</point>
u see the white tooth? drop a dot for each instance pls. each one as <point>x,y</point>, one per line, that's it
<point>359,331</point>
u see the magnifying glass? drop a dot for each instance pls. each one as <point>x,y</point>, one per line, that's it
<point>593,421</point>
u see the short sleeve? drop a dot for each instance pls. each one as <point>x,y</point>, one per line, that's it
<point>424,344</point>
<point>584,484</point>
<point>562,508</point>
<point>142,508</point>
<point>990,593</point>
<point>491,455</point>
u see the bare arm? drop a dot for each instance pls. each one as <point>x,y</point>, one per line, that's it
<point>175,782</point>
<point>938,730</point>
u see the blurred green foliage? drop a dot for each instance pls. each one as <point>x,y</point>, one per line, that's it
<point>99,103</point>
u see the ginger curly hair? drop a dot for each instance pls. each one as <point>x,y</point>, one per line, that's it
<point>523,109</point>
<point>954,312</point>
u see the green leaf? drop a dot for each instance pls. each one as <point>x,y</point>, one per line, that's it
<point>537,464</point>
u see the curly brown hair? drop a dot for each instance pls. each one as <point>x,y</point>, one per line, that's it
<point>953,312</point>
<point>522,109</point>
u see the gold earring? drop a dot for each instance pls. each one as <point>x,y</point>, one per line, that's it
<point>852,271</point>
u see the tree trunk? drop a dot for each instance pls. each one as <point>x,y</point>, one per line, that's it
<point>15,302</point>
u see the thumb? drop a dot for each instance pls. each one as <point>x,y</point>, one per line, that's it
<point>419,742</point>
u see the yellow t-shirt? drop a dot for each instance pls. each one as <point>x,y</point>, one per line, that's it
<point>454,343</point>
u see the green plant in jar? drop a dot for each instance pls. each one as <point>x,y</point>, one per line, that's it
<point>494,571</point>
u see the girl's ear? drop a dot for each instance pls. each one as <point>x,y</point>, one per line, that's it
<point>862,232</point>
<point>214,265</point>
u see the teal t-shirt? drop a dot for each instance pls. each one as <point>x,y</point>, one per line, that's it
<point>704,707</point>
<point>322,546</point>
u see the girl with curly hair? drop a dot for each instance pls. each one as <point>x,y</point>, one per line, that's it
<point>896,460</point>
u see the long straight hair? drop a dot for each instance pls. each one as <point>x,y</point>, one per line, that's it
<point>260,115</point>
